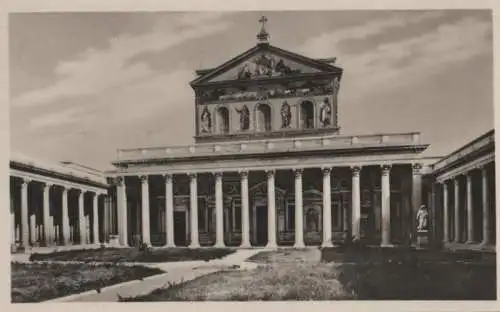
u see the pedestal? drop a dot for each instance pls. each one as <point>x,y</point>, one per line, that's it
<point>422,239</point>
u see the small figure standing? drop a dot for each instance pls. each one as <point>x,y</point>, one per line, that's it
<point>244,117</point>
<point>422,219</point>
<point>206,121</point>
<point>286,115</point>
<point>325,112</point>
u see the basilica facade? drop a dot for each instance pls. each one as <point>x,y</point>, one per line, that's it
<point>270,165</point>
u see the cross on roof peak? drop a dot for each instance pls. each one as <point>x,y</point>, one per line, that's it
<point>263,35</point>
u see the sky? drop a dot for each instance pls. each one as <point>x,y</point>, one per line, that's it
<point>83,85</point>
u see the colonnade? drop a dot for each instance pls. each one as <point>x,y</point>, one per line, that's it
<point>245,217</point>
<point>453,184</point>
<point>49,228</point>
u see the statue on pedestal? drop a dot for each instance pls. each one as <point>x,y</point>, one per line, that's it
<point>422,219</point>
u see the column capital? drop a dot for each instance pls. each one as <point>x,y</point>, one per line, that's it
<point>167,176</point>
<point>47,185</point>
<point>416,168</point>
<point>386,169</point>
<point>120,180</point>
<point>326,171</point>
<point>298,172</point>
<point>355,169</point>
<point>217,174</point>
<point>26,181</point>
<point>243,173</point>
<point>192,175</point>
<point>144,178</point>
<point>270,173</point>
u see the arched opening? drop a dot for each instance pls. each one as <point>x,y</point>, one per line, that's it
<point>223,119</point>
<point>307,114</point>
<point>263,117</point>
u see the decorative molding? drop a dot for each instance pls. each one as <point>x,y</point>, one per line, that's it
<point>144,178</point>
<point>217,174</point>
<point>416,168</point>
<point>192,175</point>
<point>168,177</point>
<point>298,171</point>
<point>326,171</point>
<point>243,173</point>
<point>270,173</point>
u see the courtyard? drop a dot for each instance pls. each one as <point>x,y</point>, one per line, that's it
<point>208,274</point>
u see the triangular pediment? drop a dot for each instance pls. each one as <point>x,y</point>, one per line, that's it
<point>261,62</point>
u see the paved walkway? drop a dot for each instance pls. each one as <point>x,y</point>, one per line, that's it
<point>176,272</point>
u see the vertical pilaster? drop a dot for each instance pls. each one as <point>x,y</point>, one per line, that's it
<point>271,210</point>
<point>470,214</point>
<point>485,204</point>
<point>327,209</point>
<point>457,210</point>
<point>81,218</point>
<point>219,211</point>
<point>356,203</point>
<point>446,218</point>
<point>193,189</point>
<point>24,214</point>
<point>95,218</point>
<point>46,213</point>
<point>169,210</point>
<point>145,210</point>
<point>386,206</point>
<point>299,210</point>
<point>245,214</point>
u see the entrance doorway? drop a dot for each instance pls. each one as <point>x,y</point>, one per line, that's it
<point>261,219</point>
<point>180,228</point>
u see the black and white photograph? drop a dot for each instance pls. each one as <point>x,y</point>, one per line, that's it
<point>252,155</point>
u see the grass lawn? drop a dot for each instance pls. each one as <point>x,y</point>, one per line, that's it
<point>135,255</point>
<point>386,274</point>
<point>286,281</point>
<point>340,274</point>
<point>35,282</point>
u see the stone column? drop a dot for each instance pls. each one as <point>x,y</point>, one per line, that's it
<point>457,211</point>
<point>146,231</point>
<point>193,182</point>
<point>271,210</point>
<point>169,211</point>
<point>95,219</point>
<point>46,213</point>
<point>470,214</point>
<point>121,194</point>
<point>299,210</point>
<point>65,216</point>
<point>485,202</point>
<point>446,226</point>
<point>24,214</point>
<point>219,211</point>
<point>356,203</point>
<point>327,209</point>
<point>416,196</point>
<point>245,213</point>
<point>81,217</point>
<point>386,206</point>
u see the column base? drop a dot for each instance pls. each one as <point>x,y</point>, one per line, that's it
<point>271,246</point>
<point>170,245</point>
<point>386,245</point>
<point>193,246</point>
<point>327,245</point>
<point>469,242</point>
<point>219,245</point>
<point>485,244</point>
<point>246,245</point>
<point>299,245</point>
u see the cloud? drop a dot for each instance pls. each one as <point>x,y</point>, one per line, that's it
<point>95,71</point>
<point>403,62</point>
<point>54,119</point>
<point>324,44</point>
